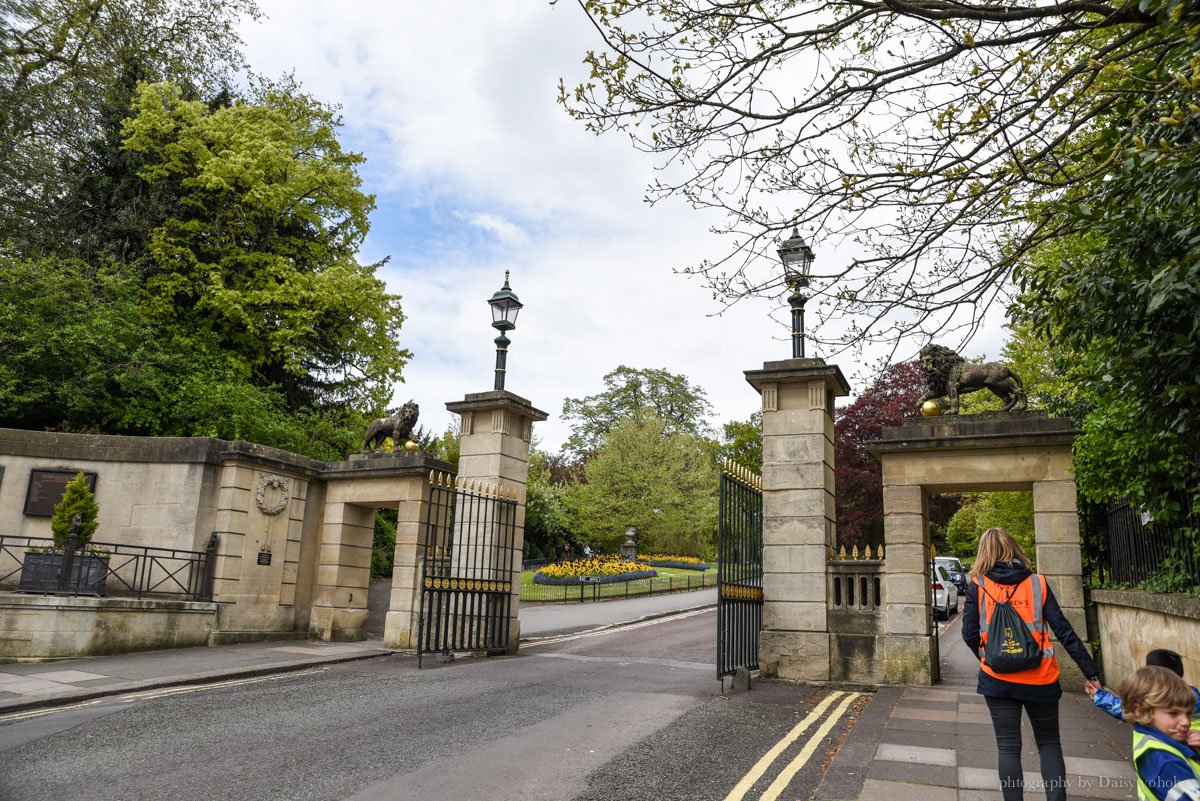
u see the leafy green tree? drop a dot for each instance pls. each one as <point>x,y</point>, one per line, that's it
<point>78,353</point>
<point>682,406</point>
<point>1124,309</point>
<point>383,544</point>
<point>70,336</point>
<point>980,511</point>
<point>743,442</point>
<point>546,517</point>
<point>78,500</point>
<point>645,475</point>
<point>262,253</point>
<point>172,266</point>
<point>447,446</point>
<point>962,531</point>
<point>64,66</point>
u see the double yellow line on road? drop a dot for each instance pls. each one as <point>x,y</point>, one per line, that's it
<point>801,759</point>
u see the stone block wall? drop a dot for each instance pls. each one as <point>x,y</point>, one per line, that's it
<point>47,627</point>
<point>1131,624</point>
<point>152,491</point>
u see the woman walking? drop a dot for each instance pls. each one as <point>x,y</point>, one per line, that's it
<point>1002,575</point>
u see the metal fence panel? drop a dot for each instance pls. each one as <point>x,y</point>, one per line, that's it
<point>739,570</point>
<point>1138,548</point>
<point>468,555</point>
<point>36,565</point>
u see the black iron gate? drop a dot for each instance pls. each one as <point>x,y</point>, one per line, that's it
<point>466,569</point>
<point>739,570</point>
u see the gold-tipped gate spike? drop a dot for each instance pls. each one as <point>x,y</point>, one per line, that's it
<point>854,551</point>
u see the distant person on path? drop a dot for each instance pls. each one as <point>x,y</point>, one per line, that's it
<point>1159,657</point>
<point>587,552</point>
<point>1002,574</point>
<point>1159,704</point>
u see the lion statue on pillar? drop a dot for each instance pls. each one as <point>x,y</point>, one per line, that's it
<point>949,375</point>
<point>399,426</point>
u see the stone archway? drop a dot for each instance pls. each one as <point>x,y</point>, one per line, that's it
<point>986,452</point>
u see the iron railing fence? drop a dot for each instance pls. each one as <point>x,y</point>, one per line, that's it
<point>1138,549</point>
<point>1093,541</point>
<point>34,564</point>
<point>588,591</point>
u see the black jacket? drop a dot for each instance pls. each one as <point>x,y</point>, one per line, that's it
<point>1012,573</point>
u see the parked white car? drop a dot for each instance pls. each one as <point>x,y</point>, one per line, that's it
<point>958,573</point>
<point>945,594</point>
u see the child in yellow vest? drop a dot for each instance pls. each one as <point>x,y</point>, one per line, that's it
<point>1159,704</point>
<point>1163,657</point>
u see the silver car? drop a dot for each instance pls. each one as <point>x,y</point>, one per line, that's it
<point>945,594</point>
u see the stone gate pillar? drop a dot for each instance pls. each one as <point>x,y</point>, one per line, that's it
<point>497,427</point>
<point>909,652</point>
<point>798,513</point>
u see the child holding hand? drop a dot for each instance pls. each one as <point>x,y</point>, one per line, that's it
<point>1162,657</point>
<point>1159,704</point>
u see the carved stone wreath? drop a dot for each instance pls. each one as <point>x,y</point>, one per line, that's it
<point>278,499</point>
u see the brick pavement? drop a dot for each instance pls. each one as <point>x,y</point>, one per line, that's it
<point>937,744</point>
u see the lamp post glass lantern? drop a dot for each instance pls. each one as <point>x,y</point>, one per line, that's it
<point>505,308</point>
<point>797,258</point>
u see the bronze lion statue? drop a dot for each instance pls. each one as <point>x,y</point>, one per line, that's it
<point>950,375</point>
<point>399,426</point>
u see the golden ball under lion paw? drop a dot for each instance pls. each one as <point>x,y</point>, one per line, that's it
<point>931,408</point>
<point>411,446</point>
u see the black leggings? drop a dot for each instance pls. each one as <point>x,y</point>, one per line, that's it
<point>1043,717</point>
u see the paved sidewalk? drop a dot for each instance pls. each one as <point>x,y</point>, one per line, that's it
<point>37,684</point>
<point>33,684</point>
<point>937,744</point>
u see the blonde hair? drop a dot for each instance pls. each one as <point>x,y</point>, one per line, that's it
<point>1151,688</point>
<point>997,545</point>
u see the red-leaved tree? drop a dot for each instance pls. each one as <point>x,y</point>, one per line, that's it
<point>896,394</point>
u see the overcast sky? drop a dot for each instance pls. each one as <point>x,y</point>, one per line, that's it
<point>477,170</point>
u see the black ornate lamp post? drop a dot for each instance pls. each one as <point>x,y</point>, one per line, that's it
<point>505,307</point>
<point>797,258</point>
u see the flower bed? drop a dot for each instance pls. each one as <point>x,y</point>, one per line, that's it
<point>599,569</point>
<point>671,560</point>
<point>540,578</point>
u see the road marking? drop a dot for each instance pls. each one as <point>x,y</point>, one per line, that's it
<point>616,629</point>
<point>37,713</point>
<point>755,773</point>
<point>149,694</point>
<point>787,774</point>
<point>192,688</point>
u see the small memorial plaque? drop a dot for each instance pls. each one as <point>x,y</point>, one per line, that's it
<point>264,557</point>
<point>46,488</point>
<point>590,579</point>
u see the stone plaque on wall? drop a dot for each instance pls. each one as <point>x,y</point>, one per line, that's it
<point>46,488</point>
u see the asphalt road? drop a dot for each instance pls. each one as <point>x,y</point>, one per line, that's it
<point>632,713</point>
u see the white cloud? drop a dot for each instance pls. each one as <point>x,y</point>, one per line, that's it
<point>505,231</point>
<point>479,170</point>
